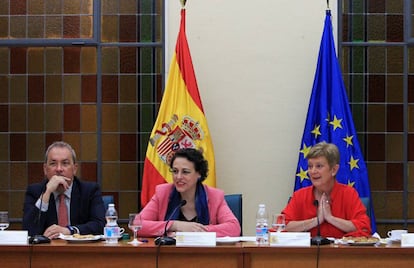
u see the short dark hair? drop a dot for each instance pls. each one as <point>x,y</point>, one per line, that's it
<point>196,157</point>
<point>61,144</point>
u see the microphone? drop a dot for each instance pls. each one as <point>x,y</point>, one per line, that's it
<point>39,239</point>
<point>318,239</point>
<point>166,240</point>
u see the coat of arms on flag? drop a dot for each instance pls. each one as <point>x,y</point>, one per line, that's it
<point>174,136</point>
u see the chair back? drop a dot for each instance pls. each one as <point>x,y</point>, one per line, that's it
<point>367,204</point>
<point>235,203</point>
<point>107,199</point>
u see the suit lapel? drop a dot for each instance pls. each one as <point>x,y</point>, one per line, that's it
<point>75,202</point>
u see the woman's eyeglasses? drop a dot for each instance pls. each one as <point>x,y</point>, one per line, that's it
<point>184,172</point>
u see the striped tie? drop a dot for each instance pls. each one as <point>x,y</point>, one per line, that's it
<point>63,211</point>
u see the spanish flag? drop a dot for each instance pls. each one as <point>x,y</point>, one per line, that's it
<point>181,122</point>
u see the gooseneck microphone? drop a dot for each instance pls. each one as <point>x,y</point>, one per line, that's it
<point>166,240</point>
<point>38,238</point>
<point>318,239</point>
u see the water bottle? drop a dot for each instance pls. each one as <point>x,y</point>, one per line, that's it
<point>262,234</point>
<point>111,230</point>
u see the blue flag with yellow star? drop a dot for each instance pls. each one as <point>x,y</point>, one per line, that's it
<point>329,119</point>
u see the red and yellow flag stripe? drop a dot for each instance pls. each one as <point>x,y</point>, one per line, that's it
<point>181,121</point>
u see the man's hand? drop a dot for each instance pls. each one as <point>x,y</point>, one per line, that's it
<point>58,183</point>
<point>54,230</point>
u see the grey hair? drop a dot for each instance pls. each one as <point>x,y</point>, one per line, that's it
<point>61,144</point>
<point>328,150</point>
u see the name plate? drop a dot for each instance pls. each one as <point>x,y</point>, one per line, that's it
<point>195,239</point>
<point>289,239</point>
<point>13,238</point>
<point>407,240</point>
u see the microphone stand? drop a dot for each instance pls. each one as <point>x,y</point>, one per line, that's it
<point>318,239</point>
<point>166,240</point>
<point>39,239</point>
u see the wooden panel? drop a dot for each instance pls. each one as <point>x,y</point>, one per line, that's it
<point>62,254</point>
<point>15,256</point>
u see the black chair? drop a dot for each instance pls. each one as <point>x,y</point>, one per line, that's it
<point>367,204</point>
<point>107,199</point>
<point>235,202</point>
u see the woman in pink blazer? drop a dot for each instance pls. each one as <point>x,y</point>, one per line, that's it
<point>204,208</point>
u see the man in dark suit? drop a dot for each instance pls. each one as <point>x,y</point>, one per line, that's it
<point>84,210</point>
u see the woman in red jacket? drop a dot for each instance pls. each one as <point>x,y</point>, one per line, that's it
<point>340,210</point>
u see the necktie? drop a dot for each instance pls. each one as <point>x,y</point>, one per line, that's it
<point>62,211</point>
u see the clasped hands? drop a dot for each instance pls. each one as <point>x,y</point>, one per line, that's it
<point>183,226</point>
<point>324,208</point>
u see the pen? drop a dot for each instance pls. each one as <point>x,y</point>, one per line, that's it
<point>144,240</point>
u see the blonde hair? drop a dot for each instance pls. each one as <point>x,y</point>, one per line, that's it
<point>328,150</point>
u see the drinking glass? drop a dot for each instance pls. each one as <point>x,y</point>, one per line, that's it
<point>278,222</point>
<point>135,224</point>
<point>4,220</point>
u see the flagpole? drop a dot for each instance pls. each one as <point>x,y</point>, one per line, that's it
<point>327,4</point>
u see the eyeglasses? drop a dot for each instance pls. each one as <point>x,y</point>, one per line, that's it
<point>64,164</point>
<point>184,172</point>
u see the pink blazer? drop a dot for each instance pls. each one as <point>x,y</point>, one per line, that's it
<point>222,219</point>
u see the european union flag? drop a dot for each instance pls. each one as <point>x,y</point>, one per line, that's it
<point>329,119</point>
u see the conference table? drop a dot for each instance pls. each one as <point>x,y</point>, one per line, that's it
<point>60,253</point>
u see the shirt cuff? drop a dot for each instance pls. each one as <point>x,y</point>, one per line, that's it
<point>76,229</point>
<point>71,229</point>
<point>45,206</point>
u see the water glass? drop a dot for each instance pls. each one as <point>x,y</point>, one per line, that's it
<point>135,224</point>
<point>278,222</point>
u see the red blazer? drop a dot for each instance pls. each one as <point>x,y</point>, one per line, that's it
<point>222,219</point>
<point>345,203</point>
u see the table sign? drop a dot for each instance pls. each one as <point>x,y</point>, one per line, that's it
<point>205,239</point>
<point>289,239</point>
<point>13,238</point>
<point>407,240</point>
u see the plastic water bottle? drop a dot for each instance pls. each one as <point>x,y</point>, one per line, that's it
<point>111,230</point>
<point>262,231</point>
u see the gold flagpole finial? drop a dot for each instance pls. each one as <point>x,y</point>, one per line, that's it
<point>183,2</point>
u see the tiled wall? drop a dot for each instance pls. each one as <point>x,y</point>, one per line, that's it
<point>377,63</point>
<point>60,81</point>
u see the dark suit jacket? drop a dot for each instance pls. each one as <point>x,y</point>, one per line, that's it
<point>87,210</point>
